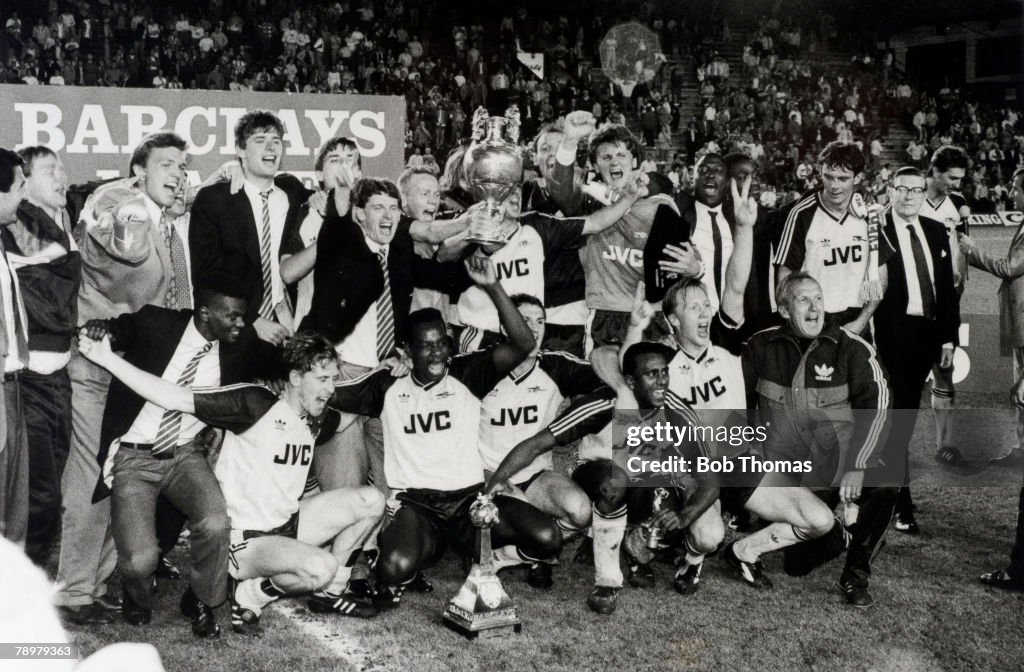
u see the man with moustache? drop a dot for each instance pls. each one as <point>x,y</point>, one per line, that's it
<point>41,247</point>
<point>128,247</point>
<point>918,321</point>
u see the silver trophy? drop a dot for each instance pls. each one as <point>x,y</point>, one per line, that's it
<point>482,609</point>
<point>493,167</point>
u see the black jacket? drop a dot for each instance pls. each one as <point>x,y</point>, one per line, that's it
<point>149,338</point>
<point>50,290</point>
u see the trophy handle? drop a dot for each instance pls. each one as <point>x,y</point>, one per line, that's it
<point>479,124</point>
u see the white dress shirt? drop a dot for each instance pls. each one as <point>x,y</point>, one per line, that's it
<point>147,422</point>
<point>360,347</point>
<point>703,240</point>
<point>915,306</point>
<point>278,203</point>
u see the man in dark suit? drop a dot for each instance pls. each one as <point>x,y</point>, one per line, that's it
<point>147,451</point>
<point>917,322</point>
<point>363,284</point>
<point>244,230</point>
<point>695,239</point>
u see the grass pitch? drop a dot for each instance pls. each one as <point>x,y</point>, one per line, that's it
<point>930,612</point>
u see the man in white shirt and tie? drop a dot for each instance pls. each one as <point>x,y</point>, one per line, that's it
<point>917,321</point>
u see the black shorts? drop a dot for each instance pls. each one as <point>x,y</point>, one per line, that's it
<point>525,485</point>
<point>564,338</point>
<point>447,511</point>
<point>289,529</point>
<point>736,488</point>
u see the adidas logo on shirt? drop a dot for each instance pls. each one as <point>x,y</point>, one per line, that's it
<point>823,372</point>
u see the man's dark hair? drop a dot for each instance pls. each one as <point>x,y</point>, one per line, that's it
<point>424,317</point>
<point>519,300</point>
<point>305,350</point>
<point>8,162</point>
<point>845,155</point>
<point>330,146</point>
<point>631,360</point>
<point>368,187</point>
<point>219,283</point>
<point>154,141</point>
<point>946,157</point>
<point>30,154</point>
<point>733,159</point>
<point>614,134</point>
<point>254,122</point>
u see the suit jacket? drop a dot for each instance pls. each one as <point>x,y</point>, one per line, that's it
<point>149,338</point>
<point>223,235</point>
<point>1011,292</point>
<point>892,311</point>
<point>347,277</point>
<point>669,228</point>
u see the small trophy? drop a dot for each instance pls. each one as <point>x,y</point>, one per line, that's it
<point>653,531</point>
<point>493,166</point>
<point>482,608</point>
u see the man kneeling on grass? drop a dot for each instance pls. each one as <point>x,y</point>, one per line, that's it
<point>268,448</point>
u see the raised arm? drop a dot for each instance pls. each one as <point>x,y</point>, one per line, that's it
<point>737,273</point>
<point>562,183</point>
<point>153,389</point>
<point>519,458</point>
<point>599,220</point>
<point>509,355</point>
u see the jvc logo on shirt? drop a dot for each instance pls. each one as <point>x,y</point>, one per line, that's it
<point>294,454</point>
<point>628,255</point>
<point>431,422</point>
<point>527,415</point>
<point>704,393</point>
<point>843,255</point>
<point>513,268</point>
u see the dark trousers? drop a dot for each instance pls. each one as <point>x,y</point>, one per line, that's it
<point>46,404</point>
<point>1016,568</point>
<point>188,483</point>
<point>908,355</point>
<point>13,466</point>
<point>876,509</point>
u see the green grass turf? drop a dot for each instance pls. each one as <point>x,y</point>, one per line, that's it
<point>930,612</point>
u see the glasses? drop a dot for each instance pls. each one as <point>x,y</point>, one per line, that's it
<point>904,191</point>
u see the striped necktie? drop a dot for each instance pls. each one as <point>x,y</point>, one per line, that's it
<point>170,423</point>
<point>385,312</point>
<point>267,306</point>
<point>179,294</point>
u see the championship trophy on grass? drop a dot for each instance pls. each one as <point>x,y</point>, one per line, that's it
<point>493,166</point>
<point>482,608</point>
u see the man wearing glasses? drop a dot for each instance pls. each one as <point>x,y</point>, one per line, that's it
<point>917,322</point>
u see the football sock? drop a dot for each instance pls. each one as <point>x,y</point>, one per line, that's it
<point>943,405</point>
<point>609,530</point>
<point>772,538</point>
<point>569,531</point>
<point>254,594</point>
<point>691,556</point>
<point>506,556</point>
<point>341,577</point>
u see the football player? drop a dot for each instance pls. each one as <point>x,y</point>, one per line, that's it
<point>526,400</point>
<point>944,203</point>
<point>276,540</point>
<point>432,460</point>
